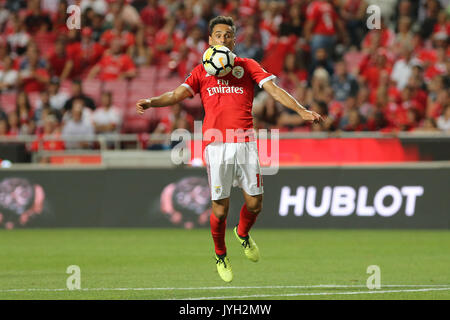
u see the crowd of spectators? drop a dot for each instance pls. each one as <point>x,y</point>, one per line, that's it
<point>391,78</point>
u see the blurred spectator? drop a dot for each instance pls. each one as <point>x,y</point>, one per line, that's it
<point>402,69</point>
<point>82,55</point>
<point>58,59</point>
<point>98,27</point>
<point>13,124</point>
<point>443,122</point>
<point>153,14</point>
<point>294,73</point>
<point>428,125</point>
<point>265,111</point>
<point>25,114</point>
<point>126,39</point>
<point>276,51</point>
<point>42,110</point>
<point>140,52</point>
<point>376,38</point>
<point>77,93</point>
<point>437,104</point>
<point>343,84</point>
<point>373,67</point>
<point>293,23</point>
<point>289,118</point>
<point>431,17</point>
<point>354,13</point>
<point>107,118</point>
<point>177,118</point>
<point>50,137</point>
<point>8,76</point>
<point>17,36</point>
<point>191,52</point>
<point>98,6</point>
<point>125,11</point>
<point>321,60</point>
<point>363,102</point>
<point>321,108</point>
<point>404,36</point>
<point>4,127</point>
<point>60,17</point>
<point>249,46</point>
<point>323,26</point>
<point>439,66</point>
<point>114,65</point>
<point>36,19</point>
<point>57,98</point>
<point>4,53</point>
<point>320,82</point>
<point>76,126</point>
<point>354,121</point>
<point>167,41</point>
<point>33,76</point>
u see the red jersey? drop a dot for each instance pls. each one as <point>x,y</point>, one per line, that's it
<point>113,66</point>
<point>227,100</point>
<point>324,17</point>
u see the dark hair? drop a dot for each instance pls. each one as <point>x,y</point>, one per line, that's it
<point>221,20</point>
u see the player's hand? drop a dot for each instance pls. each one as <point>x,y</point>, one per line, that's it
<point>143,105</point>
<point>310,116</point>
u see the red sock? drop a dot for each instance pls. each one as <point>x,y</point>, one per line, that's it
<point>218,233</point>
<point>246,221</point>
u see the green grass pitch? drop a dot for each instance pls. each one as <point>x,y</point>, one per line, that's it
<point>178,264</point>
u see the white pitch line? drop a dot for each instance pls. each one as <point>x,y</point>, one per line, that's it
<point>315,294</point>
<point>332,286</point>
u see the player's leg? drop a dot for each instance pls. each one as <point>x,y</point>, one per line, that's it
<point>249,212</point>
<point>220,175</point>
<point>218,220</point>
<point>250,180</point>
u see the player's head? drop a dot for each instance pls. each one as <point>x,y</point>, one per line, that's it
<point>222,31</point>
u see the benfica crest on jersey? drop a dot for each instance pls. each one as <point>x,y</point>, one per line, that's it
<point>238,72</point>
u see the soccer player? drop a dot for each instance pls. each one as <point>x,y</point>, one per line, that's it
<point>228,104</point>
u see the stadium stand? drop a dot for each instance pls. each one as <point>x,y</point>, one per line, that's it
<point>401,70</point>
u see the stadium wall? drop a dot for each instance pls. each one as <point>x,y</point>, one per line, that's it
<point>414,196</point>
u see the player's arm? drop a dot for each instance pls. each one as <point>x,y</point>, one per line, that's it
<point>289,101</point>
<point>164,100</point>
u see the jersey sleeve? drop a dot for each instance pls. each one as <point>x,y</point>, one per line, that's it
<point>259,75</point>
<point>192,81</point>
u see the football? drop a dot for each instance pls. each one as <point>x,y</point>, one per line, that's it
<point>218,60</point>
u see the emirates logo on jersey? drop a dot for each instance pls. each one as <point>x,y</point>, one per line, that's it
<point>224,87</point>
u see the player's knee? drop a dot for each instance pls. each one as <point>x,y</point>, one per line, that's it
<point>220,214</point>
<point>254,207</point>
<point>220,211</point>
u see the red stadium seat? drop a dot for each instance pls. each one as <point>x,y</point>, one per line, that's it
<point>8,102</point>
<point>352,60</point>
<point>93,88</point>
<point>168,84</point>
<point>135,124</point>
<point>66,86</point>
<point>148,74</point>
<point>34,97</point>
<point>120,91</point>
